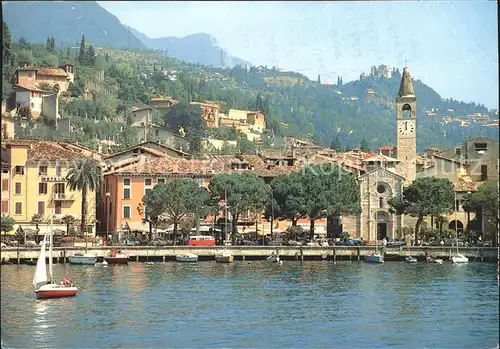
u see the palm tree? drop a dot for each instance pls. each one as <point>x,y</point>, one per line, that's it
<point>68,220</point>
<point>36,219</point>
<point>44,86</point>
<point>83,175</point>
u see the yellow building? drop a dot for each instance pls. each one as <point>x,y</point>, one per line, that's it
<point>34,180</point>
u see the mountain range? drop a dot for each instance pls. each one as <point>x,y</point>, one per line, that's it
<point>69,20</point>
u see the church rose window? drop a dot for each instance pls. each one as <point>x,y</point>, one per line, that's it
<point>380,189</point>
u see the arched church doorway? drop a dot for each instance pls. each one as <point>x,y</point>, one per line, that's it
<point>383,225</point>
<point>459,225</point>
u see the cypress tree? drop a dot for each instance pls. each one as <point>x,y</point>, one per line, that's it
<point>83,52</point>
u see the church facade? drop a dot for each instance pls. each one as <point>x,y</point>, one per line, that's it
<point>385,176</point>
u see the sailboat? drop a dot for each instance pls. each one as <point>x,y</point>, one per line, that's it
<point>459,258</point>
<point>44,286</point>
<point>375,257</point>
<point>225,256</point>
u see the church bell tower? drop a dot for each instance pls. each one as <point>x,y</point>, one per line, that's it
<point>406,128</point>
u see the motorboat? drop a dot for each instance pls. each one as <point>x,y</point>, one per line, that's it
<point>186,257</point>
<point>410,259</point>
<point>116,257</point>
<point>375,257</point>
<point>434,260</point>
<point>224,257</point>
<point>274,258</point>
<point>101,262</point>
<point>44,286</point>
<point>459,259</point>
<point>82,258</point>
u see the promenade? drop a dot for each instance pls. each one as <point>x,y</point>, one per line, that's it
<point>167,253</point>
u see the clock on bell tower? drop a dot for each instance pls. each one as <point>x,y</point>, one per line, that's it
<point>406,128</point>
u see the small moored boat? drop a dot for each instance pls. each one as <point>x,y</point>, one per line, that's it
<point>434,260</point>
<point>459,259</point>
<point>186,257</point>
<point>375,257</point>
<point>410,259</point>
<point>224,257</point>
<point>273,258</point>
<point>116,257</point>
<point>81,258</point>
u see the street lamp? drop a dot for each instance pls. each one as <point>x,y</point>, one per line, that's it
<point>108,194</point>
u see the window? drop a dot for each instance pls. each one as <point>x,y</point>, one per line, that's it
<point>161,181</point>
<point>19,170</point>
<point>146,191</point>
<point>148,182</point>
<point>458,151</point>
<point>157,133</point>
<point>480,147</point>
<point>58,207</point>
<point>5,206</point>
<point>380,189</point>
<point>457,205</point>
<point>126,193</point>
<point>19,208</point>
<point>126,181</point>
<point>32,105</point>
<point>380,202</point>
<point>41,208</point>
<point>59,188</point>
<point>484,172</point>
<point>5,184</point>
<point>18,188</point>
<point>58,170</point>
<point>42,188</point>
<point>126,211</point>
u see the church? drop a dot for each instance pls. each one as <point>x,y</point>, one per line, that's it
<point>386,176</point>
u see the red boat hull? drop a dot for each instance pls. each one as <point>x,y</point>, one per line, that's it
<point>55,293</point>
<point>116,260</point>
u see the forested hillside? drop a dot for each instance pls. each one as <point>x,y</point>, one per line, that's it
<point>67,21</point>
<point>293,104</point>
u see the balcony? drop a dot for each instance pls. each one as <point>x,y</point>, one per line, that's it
<point>53,179</point>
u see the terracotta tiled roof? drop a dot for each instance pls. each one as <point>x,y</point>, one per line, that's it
<point>273,154</point>
<point>216,164</point>
<point>45,150</point>
<point>30,88</point>
<point>386,147</point>
<point>145,149</point>
<point>47,71</point>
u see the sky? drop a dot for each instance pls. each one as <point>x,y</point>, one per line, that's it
<point>450,46</point>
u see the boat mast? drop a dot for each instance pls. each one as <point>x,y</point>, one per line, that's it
<point>225,216</point>
<point>50,236</point>
<point>376,211</point>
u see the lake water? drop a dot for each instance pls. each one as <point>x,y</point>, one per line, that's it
<point>256,305</point>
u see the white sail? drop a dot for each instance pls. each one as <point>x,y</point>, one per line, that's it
<point>41,267</point>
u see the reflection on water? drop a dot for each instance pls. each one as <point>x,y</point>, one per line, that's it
<point>256,304</point>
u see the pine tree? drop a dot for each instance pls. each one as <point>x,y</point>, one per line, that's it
<point>47,44</point>
<point>336,145</point>
<point>52,44</point>
<point>68,53</point>
<point>319,79</point>
<point>91,56</point>
<point>364,146</point>
<point>82,55</point>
